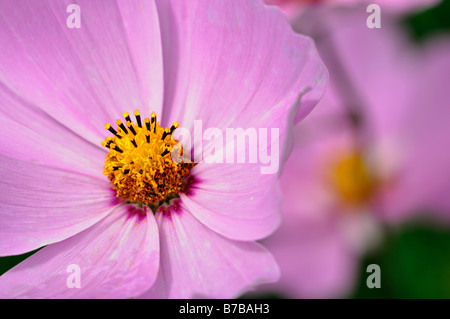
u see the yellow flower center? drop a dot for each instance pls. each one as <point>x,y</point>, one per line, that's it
<point>352,179</point>
<point>139,162</point>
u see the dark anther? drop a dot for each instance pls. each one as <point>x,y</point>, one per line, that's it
<point>117,149</point>
<point>138,119</point>
<point>165,152</point>
<point>127,117</point>
<point>112,130</point>
<point>123,128</point>
<point>130,126</point>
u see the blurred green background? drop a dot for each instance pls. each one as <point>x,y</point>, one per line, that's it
<point>429,23</point>
<point>415,258</point>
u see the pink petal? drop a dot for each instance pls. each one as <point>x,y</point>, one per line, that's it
<point>382,99</point>
<point>53,147</point>
<point>41,205</point>
<point>230,63</point>
<point>226,201</point>
<point>118,258</point>
<point>405,138</point>
<point>223,64</point>
<point>81,77</point>
<point>422,136</point>
<point>197,262</point>
<point>314,258</point>
<point>355,55</point>
<point>291,8</point>
<point>319,241</point>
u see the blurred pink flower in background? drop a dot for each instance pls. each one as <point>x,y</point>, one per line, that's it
<point>292,8</point>
<point>373,152</point>
<point>59,86</point>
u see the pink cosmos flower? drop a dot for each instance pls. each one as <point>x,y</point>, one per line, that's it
<point>228,63</point>
<point>387,162</point>
<point>292,8</point>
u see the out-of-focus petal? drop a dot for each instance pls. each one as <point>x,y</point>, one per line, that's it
<point>318,243</point>
<point>314,257</point>
<point>118,258</point>
<point>423,167</point>
<point>404,114</point>
<point>357,58</point>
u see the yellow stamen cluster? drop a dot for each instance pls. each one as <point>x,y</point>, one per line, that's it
<point>139,163</point>
<point>353,179</point>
